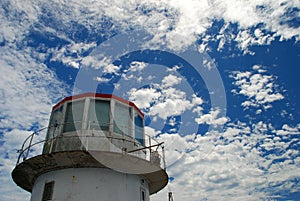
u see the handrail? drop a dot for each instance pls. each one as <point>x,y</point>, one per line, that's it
<point>131,151</point>
<point>29,143</point>
<point>21,151</point>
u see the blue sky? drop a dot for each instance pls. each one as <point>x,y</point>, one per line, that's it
<point>217,80</point>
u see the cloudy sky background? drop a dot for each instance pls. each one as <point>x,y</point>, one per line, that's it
<point>253,45</point>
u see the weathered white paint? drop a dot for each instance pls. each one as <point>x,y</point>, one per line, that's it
<point>91,184</point>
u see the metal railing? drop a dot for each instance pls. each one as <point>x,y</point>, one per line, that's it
<point>152,150</point>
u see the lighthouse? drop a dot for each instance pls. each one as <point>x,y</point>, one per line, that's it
<point>95,149</point>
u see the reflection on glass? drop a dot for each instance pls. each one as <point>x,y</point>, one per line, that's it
<point>98,115</point>
<point>55,122</point>
<point>73,118</point>
<point>122,119</point>
<point>139,128</point>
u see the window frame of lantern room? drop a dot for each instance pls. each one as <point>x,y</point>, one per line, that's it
<point>121,110</point>
<point>104,114</point>
<point>69,124</point>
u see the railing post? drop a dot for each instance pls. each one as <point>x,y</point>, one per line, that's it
<point>52,139</point>
<point>20,151</point>
<point>149,144</point>
<point>163,152</point>
<point>29,146</point>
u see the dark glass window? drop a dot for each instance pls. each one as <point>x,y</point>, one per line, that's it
<point>48,191</point>
<point>139,128</point>
<point>73,117</point>
<point>99,115</point>
<point>122,119</point>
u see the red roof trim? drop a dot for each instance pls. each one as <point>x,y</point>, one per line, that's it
<point>85,95</point>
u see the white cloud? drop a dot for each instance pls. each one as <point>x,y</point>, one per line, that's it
<point>17,22</point>
<point>151,131</point>
<point>28,91</point>
<point>135,71</point>
<point>197,100</point>
<point>111,69</point>
<point>94,62</point>
<point>259,88</point>
<point>73,55</point>
<point>102,79</point>
<point>232,167</point>
<point>174,23</point>
<point>13,141</point>
<point>246,38</point>
<point>212,118</point>
<point>176,146</point>
<point>209,63</point>
<point>174,69</point>
<point>163,100</point>
<point>288,130</point>
<point>170,80</point>
<point>137,66</point>
<point>143,97</point>
<point>170,107</point>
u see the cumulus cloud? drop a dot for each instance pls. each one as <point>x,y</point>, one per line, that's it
<point>288,130</point>
<point>163,100</point>
<point>137,66</point>
<point>259,88</point>
<point>170,107</point>
<point>212,118</point>
<point>135,71</point>
<point>102,79</point>
<point>176,146</point>
<point>237,164</point>
<point>144,97</point>
<point>209,63</point>
<point>170,80</point>
<point>111,69</point>
<point>246,38</point>
<point>94,62</point>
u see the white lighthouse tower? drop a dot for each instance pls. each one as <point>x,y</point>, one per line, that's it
<point>95,150</point>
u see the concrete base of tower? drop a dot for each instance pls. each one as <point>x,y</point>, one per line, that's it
<point>91,184</point>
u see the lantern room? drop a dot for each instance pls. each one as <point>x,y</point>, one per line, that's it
<point>118,123</point>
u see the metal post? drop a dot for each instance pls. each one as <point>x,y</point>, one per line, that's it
<point>52,139</point>
<point>164,160</point>
<point>30,142</point>
<point>171,196</point>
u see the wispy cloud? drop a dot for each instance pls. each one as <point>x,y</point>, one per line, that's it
<point>28,90</point>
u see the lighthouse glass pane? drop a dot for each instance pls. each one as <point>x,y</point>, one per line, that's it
<point>98,116</point>
<point>139,128</point>
<point>122,119</point>
<point>55,123</point>
<point>73,118</point>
